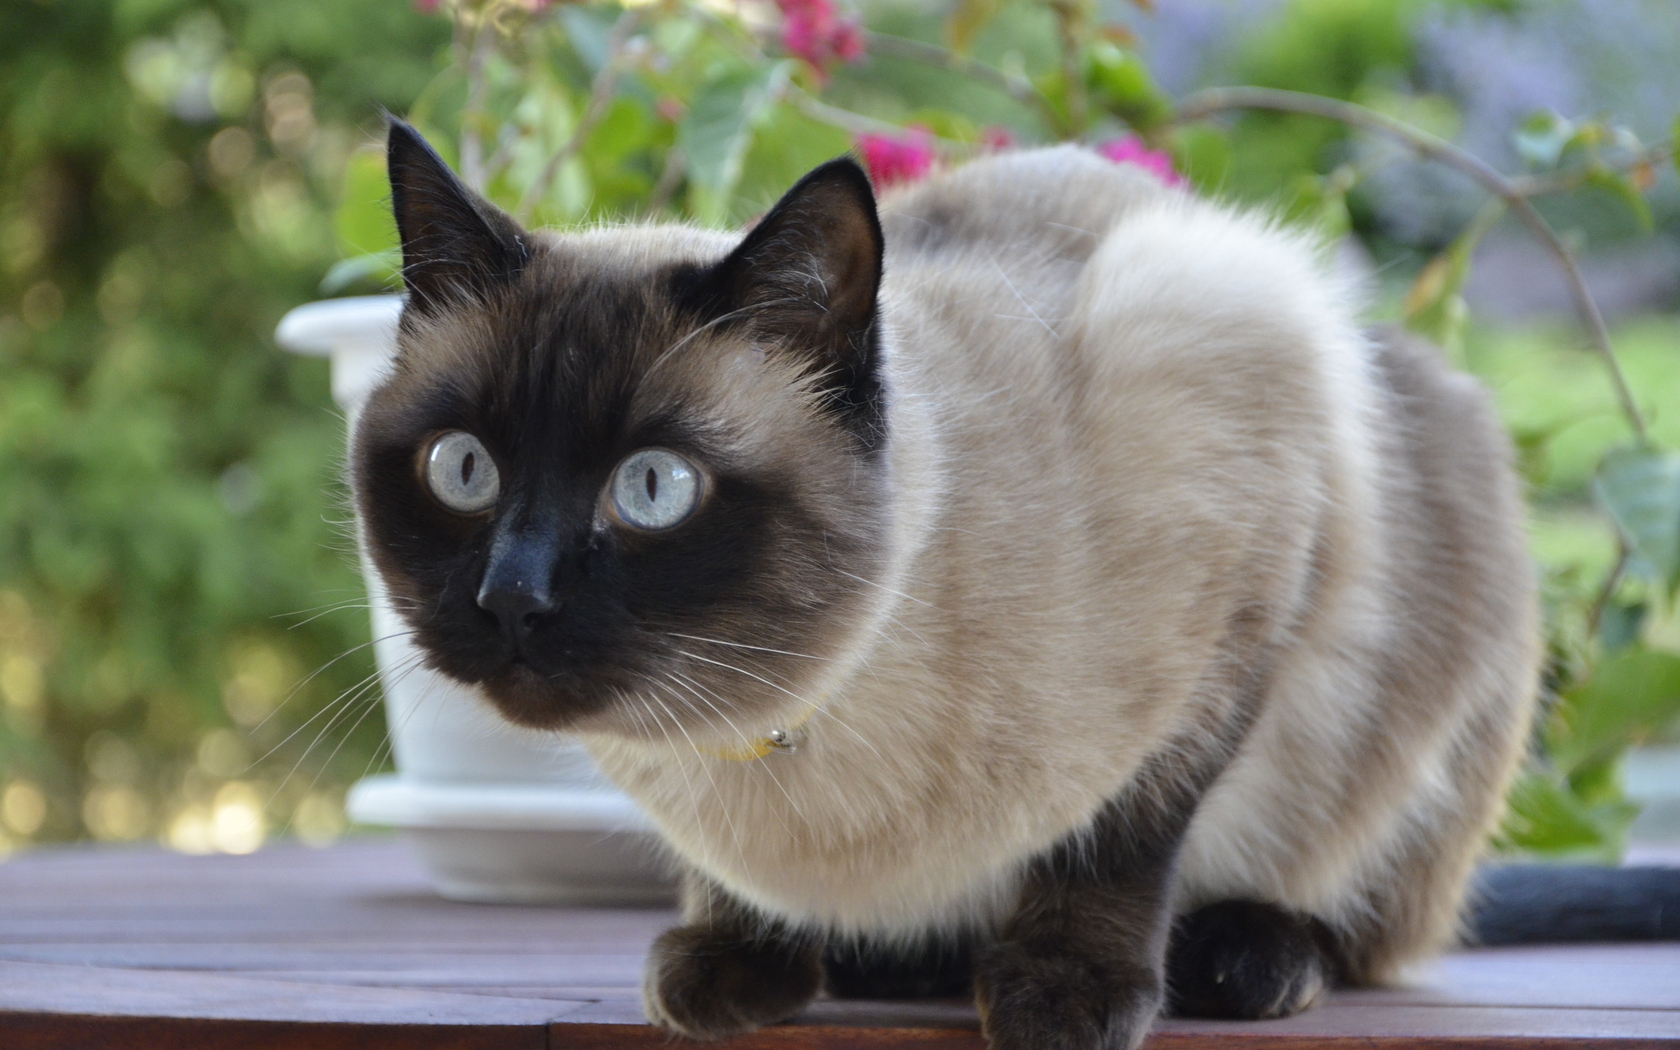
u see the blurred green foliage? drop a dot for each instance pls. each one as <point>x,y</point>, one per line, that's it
<point>1615,682</point>
<point>177,597</point>
<point>170,502</point>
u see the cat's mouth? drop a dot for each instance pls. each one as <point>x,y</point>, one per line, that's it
<point>526,696</point>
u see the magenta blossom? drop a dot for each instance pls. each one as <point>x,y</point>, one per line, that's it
<point>813,31</point>
<point>847,40</point>
<point>996,139</point>
<point>892,159</point>
<point>1130,150</point>
<point>426,7</point>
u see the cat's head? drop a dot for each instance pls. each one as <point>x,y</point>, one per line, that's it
<point>634,476</point>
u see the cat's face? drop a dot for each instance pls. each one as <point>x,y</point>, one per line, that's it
<point>630,481</point>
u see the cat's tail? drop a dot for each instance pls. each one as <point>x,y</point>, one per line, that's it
<point>1554,904</point>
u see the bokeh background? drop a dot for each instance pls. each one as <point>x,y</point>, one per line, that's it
<point>179,601</point>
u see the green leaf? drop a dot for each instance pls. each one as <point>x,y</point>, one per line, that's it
<point>1640,487</point>
<point>1620,185</point>
<point>363,220</point>
<point>588,30</point>
<point>1053,87</point>
<point>1320,201</point>
<point>717,131</point>
<point>384,268</point>
<point>1544,816</point>
<point>784,147</point>
<point>1619,626</point>
<point>1435,305</point>
<point>1203,154</point>
<point>1628,695</point>
<point>1122,83</point>
<point>1533,442</point>
<point>965,22</point>
<point>1541,139</point>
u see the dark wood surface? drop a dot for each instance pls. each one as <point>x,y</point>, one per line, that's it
<point>348,947</point>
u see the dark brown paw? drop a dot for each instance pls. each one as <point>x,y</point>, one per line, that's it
<point>709,985</point>
<point>1034,998</point>
<point>1246,960</point>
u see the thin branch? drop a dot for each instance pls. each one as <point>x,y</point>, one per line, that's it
<point>1607,590</point>
<point>600,97</point>
<point>858,124</point>
<point>472,148</point>
<point>1016,87</point>
<point>1069,18</point>
<point>1214,100</point>
<point>499,160</point>
<point>1564,181</point>
<point>670,177</point>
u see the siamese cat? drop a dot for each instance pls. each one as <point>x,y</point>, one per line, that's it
<point>1038,583</point>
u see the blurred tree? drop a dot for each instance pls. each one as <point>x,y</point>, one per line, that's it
<point>167,172</point>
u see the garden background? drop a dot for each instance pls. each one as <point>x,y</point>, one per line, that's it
<point>181,620</point>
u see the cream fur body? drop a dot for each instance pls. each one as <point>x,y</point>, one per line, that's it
<point>1139,443</point>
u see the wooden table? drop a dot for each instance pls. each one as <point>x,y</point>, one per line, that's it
<point>348,947</point>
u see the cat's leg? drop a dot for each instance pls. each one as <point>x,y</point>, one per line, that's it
<point>1079,966</point>
<point>1248,960</point>
<point>727,969</point>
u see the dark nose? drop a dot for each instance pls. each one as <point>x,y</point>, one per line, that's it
<point>518,609</point>
<point>516,588</point>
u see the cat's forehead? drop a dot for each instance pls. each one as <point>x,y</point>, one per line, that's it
<point>585,309</point>
<point>594,340</point>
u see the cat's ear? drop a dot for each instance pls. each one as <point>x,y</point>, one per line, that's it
<point>807,276</point>
<point>456,245</point>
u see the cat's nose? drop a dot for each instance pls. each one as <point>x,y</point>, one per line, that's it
<point>516,586</point>
<point>517,608</point>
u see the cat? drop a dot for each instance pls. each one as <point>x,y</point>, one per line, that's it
<point>1038,582</point>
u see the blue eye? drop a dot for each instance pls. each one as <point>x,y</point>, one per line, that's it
<point>654,489</point>
<point>461,474</point>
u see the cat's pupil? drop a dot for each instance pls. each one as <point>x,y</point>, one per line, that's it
<point>467,462</point>
<point>652,484</point>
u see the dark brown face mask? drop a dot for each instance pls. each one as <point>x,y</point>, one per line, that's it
<point>497,472</point>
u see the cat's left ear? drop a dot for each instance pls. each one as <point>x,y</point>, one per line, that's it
<point>457,246</point>
<point>807,276</point>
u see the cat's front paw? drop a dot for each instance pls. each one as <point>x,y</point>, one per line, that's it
<point>1247,960</point>
<point>1040,999</point>
<point>708,984</point>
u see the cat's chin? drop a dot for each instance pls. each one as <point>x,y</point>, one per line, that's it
<point>528,698</point>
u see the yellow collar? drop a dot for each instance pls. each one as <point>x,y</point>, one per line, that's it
<point>784,741</point>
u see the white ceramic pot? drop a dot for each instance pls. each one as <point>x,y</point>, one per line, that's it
<point>496,813</point>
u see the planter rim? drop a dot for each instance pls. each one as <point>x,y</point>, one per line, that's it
<point>320,329</point>
<point>399,801</point>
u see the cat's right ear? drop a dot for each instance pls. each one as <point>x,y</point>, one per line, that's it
<point>457,247</point>
<point>807,275</point>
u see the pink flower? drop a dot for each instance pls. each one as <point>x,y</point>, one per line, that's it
<point>813,32</point>
<point>1130,150</point>
<point>892,159</point>
<point>426,7</point>
<point>847,41</point>
<point>670,108</point>
<point>996,139</point>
